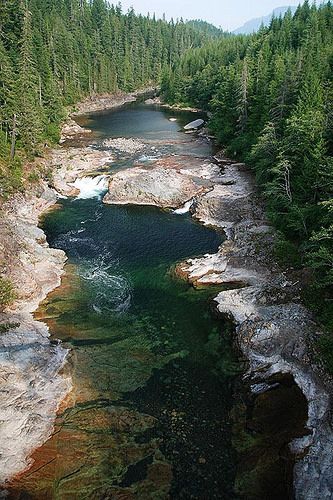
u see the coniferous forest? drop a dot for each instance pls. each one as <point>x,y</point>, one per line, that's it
<point>53,53</point>
<point>271,99</point>
<point>270,96</point>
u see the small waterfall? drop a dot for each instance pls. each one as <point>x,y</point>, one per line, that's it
<point>91,187</point>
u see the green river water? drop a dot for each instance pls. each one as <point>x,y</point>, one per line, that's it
<point>152,366</point>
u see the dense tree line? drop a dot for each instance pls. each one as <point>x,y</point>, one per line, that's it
<point>54,52</point>
<point>270,95</point>
<point>207,28</point>
<point>271,98</point>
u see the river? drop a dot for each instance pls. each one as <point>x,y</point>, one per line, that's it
<point>153,368</point>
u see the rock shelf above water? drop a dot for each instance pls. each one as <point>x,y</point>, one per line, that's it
<point>70,163</point>
<point>273,328</point>
<point>32,385</point>
<point>162,187</point>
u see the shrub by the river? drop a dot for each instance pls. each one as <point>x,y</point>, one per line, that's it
<point>7,292</point>
<point>5,327</point>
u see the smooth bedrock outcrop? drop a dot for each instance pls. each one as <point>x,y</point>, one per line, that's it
<point>32,382</point>
<point>274,330</point>
<point>162,187</point>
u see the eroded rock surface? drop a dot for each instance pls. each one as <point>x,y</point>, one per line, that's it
<point>273,328</point>
<point>72,130</point>
<point>124,145</point>
<point>162,187</point>
<point>31,382</point>
<point>66,165</point>
<point>100,102</point>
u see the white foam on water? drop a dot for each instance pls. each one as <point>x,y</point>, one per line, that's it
<point>146,158</point>
<point>91,187</point>
<point>110,289</point>
<point>185,209</point>
<point>97,214</point>
<point>72,240</point>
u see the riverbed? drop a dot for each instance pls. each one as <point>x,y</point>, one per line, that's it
<point>153,368</point>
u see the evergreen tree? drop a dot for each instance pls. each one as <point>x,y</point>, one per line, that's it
<point>30,113</point>
<point>271,99</point>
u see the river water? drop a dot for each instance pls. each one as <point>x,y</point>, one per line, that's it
<point>153,368</point>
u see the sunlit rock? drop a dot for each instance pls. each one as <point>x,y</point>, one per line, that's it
<point>165,188</point>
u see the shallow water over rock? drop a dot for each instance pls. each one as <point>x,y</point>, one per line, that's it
<point>152,367</point>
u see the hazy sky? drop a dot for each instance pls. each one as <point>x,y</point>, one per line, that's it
<point>230,14</point>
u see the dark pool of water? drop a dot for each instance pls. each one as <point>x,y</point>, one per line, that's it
<point>149,123</point>
<point>140,120</point>
<point>153,369</point>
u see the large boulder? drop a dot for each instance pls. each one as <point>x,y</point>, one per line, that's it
<point>194,125</point>
<point>162,187</point>
<point>72,130</point>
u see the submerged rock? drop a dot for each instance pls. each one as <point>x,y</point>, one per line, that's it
<point>124,145</point>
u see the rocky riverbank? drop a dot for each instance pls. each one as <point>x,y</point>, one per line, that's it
<point>274,330</point>
<point>34,379</point>
<point>102,102</point>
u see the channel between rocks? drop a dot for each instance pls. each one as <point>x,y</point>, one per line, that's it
<point>273,329</point>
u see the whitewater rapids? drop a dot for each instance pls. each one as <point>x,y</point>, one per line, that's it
<point>91,187</point>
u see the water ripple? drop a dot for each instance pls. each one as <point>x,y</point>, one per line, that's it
<point>109,288</point>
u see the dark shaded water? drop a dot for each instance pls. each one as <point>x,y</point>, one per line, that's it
<point>153,369</point>
<point>142,121</point>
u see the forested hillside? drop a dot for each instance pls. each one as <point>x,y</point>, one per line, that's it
<point>207,28</point>
<point>54,52</point>
<point>270,95</point>
<point>271,98</point>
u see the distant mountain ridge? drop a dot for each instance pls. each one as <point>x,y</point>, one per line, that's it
<point>254,24</point>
